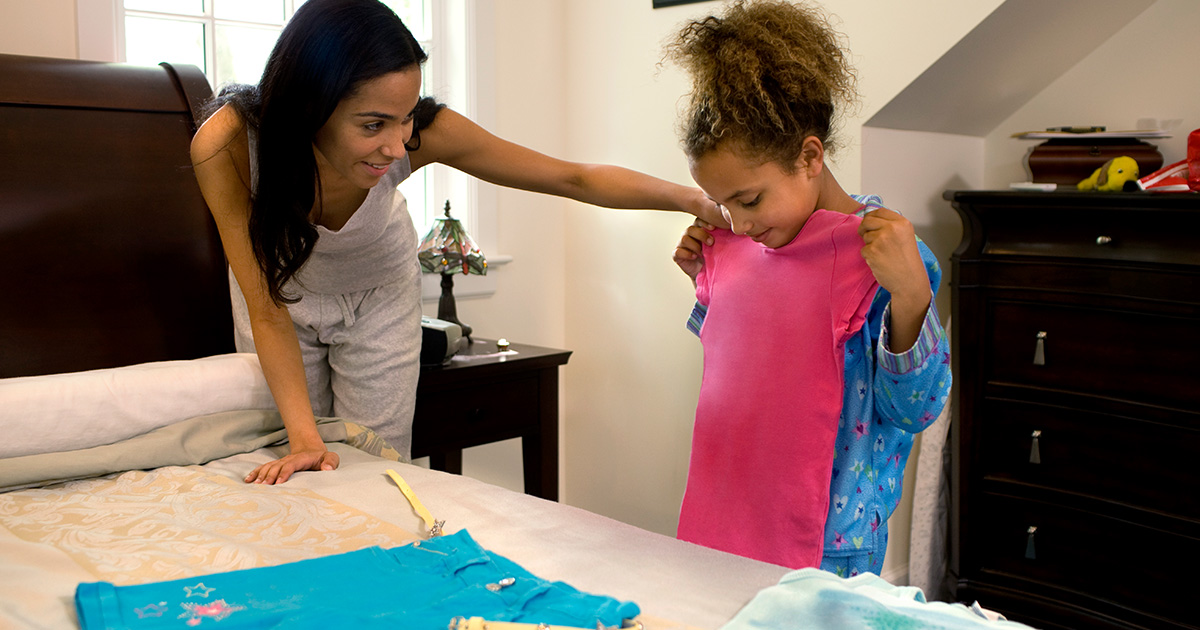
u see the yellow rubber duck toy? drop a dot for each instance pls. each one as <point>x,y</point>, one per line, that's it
<point>1112,176</point>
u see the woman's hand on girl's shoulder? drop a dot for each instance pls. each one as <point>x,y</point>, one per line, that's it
<point>689,253</point>
<point>706,210</point>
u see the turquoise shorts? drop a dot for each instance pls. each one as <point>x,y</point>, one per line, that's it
<point>423,585</point>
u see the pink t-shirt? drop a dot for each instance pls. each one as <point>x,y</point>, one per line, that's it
<point>771,395</point>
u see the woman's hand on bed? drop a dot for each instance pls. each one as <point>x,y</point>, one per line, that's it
<point>282,469</point>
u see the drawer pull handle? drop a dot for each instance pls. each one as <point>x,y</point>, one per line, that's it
<point>1030,552</point>
<point>1035,453</point>
<point>1039,353</point>
<point>1103,240</point>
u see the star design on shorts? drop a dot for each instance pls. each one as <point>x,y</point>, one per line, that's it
<point>153,610</point>
<point>218,610</point>
<point>199,590</point>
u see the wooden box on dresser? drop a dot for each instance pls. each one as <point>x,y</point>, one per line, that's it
<point>1076,430</point>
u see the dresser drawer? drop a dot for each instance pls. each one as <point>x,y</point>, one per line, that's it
<point>1048,548</point>
<point>1115,354</point>
<point>1154,236</point>
<point>1106,457</point>
<point>476,413</point>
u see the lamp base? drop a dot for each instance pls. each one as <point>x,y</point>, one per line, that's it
<point>447,310</point>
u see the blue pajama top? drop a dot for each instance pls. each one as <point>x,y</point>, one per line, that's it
<point>887,399</point>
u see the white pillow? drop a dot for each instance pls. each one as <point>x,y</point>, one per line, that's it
<point>63,412</point>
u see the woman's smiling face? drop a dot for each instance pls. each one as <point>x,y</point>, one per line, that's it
<point>368,130</point>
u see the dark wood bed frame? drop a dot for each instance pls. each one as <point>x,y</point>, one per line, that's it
<point>108,253</point>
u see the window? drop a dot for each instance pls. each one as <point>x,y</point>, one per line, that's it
<point>230,40</point>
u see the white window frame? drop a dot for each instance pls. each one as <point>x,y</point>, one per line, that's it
<point>466,83</point>
<point>210,21</point>
<point>464,80</point>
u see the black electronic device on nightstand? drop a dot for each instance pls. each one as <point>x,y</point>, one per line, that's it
<point>440,340</point>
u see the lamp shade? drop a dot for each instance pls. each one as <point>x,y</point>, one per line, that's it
<point>448,249</point>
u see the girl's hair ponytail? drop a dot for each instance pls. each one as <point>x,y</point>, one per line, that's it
<point>765,75</point>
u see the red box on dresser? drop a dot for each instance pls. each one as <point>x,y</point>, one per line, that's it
<point>1067,161</point>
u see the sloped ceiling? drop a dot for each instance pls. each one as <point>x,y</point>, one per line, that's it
<point>1018,50</point>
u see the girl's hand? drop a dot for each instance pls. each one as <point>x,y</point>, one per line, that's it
<point>890,249</point>
<point>282,469</point>
<point>688,253</point>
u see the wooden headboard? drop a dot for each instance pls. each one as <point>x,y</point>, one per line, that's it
<point>108,254</point>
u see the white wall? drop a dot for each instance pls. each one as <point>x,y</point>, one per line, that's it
<point>45,28</point>
<point>632,388</point>
<point>909,170</point>
<point>529,108</point>
<point>1142,75</point>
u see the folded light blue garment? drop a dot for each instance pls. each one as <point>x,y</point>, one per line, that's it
<point>413,587</point>
<point>812,599</point>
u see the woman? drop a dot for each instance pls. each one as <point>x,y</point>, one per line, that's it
<point>300,172</point>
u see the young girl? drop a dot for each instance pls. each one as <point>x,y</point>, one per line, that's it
<point>823,353</point>
<point>300,174</point>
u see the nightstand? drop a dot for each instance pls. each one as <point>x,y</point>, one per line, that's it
<point>487,399</point>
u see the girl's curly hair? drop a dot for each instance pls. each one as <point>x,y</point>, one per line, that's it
<point>765,75</point>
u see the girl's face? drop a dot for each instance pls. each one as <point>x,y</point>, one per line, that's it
<point>761,200</point>
<point>368,129</point>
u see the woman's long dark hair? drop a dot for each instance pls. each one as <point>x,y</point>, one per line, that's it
<point>326,51</point>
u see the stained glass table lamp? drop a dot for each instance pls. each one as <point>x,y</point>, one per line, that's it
<point>448,249</point>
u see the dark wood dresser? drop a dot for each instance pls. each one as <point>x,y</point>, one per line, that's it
<point>1076,431</point>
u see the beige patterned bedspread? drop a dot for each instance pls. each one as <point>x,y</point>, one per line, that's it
<point>176,522</point>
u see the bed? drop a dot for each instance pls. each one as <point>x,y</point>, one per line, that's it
<point>129,420</point>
